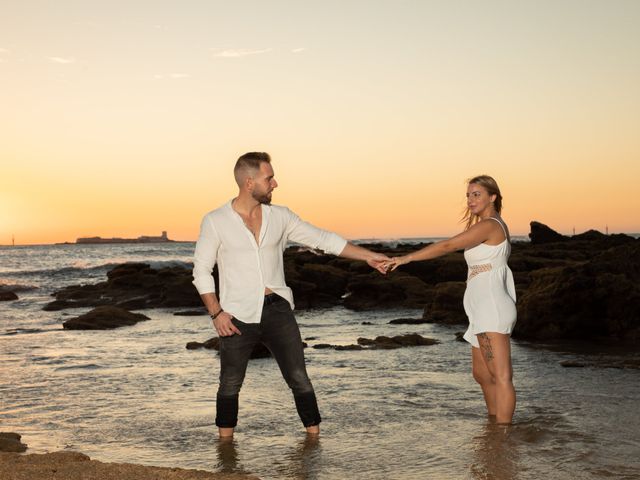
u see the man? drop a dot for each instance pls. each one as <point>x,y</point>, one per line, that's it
<point>246,238</point>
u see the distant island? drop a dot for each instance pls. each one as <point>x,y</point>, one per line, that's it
<point>142,239</point>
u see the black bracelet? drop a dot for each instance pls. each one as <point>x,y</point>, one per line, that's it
<point>213,317</point>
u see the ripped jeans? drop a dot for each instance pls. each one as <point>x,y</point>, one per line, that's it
<point>279,332</point>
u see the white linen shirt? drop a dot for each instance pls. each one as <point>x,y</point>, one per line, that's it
<point>247,267</point>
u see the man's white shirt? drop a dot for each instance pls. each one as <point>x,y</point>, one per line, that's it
<point>247,267</point>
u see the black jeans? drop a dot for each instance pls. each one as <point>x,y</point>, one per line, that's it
<point>279,332</point>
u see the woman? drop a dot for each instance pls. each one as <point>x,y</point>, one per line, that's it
<point>489,300</point>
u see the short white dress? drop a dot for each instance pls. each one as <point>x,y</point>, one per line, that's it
<point>490,297</point>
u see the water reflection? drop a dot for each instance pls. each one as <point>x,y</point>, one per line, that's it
<point>495,455</point>
<point>302,462</point>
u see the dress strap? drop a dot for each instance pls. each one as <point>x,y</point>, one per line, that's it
<point>506,235</point>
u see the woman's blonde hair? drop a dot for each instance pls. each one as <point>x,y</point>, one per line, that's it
<point>491,186</point>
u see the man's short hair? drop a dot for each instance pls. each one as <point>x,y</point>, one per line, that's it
<point>249,163</point>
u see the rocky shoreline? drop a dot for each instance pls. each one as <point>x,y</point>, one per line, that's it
<point>582,287</point>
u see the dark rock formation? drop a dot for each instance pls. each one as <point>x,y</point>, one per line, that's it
<point>540,233</point>
<point>10,442</point>
<point>408,321</point>
<point>583,286</point>
<point>104,318</point>
<point>133,286</point>
<point>259,351</point>
<point>8,296</point>
<point>190,313</point>
<point>388,343</point>
<point>599,298</point>
<point>446,305</point>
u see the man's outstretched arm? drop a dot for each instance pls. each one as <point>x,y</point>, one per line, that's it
<point>373,259</point>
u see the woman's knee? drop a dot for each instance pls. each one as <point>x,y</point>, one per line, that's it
<point>482,376</point>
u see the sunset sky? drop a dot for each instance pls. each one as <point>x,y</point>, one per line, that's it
<point>125,118</point>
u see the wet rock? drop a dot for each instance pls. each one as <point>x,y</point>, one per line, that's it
<point>598,298</point>
<point>259,351</point>
<point>190,313</point>
<point>460,337</point>
<point>399,341</point>
<point>572,364</point>
<point>322,346</point>
<point>349,347</point>
<point>366,323</point>
<point>133,286</point>
<point>375,291</point>
<point>408,321</point>
<point>446,306</point>
<point>10,442</point>
<point>104,318</point>
<point>8,296</point>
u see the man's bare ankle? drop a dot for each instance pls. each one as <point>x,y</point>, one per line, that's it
<point>225,432</point>
<point>313,430</point>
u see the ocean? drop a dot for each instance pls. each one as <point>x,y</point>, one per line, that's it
<point>136,394</point>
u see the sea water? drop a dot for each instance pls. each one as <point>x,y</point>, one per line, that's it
<point>136,394</point>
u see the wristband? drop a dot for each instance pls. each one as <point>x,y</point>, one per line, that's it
<point>215,315</point>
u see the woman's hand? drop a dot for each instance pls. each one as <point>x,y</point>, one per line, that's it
<point>395,262</point>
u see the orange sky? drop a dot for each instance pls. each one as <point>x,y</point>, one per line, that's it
<point>121,120</point>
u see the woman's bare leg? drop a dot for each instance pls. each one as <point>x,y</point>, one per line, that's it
<point>496,353</point>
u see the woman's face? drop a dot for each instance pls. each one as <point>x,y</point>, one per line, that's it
<point>479,201</point>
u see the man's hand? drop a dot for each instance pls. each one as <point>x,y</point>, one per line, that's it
<point>224,326</point>
<point>395,262</point>
<point>379,261</point>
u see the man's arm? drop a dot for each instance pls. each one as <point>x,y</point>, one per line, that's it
<point>373,259</point>
<point>204,260</point>
<point>329,242</point>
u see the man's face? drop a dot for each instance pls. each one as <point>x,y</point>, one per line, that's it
<point>263,184</point>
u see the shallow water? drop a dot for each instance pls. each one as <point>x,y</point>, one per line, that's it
<point>136,394</point>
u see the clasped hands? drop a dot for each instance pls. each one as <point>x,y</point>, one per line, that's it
<point>385,264</point>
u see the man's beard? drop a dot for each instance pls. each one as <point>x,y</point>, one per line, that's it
<point>263,198</point>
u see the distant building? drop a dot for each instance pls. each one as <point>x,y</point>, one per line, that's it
<point>142,239</point>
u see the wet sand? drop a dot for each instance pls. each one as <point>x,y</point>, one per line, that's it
<point>77,466</point>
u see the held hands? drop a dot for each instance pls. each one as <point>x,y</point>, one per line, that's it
<point>379,262</point>
<point>393,263</point>
<point>224,326</point>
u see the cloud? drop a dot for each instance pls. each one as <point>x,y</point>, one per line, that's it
<point>62,60</point>
<point>239,52</point>
<point>298,50</point>
<point>173,76</point>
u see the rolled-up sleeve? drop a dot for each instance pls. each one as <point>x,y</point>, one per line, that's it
<point>205,257</point>
<point>302,232</point>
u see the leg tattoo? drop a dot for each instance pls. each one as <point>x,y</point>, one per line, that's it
<point>485,342</point>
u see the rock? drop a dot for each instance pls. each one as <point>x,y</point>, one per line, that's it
<point>10,442</point>
<point>446,306</point>
<point>349,347</point>
<point>8,296</point>
<point>259,351</point>
<point>387,343</point>
<point>133,286</point>
<point>597,298</point>
<point>460,337</point>
<point>366,323</point>
<point>540,233</point>
<point>190,313</point>
<point>375,291</point>
<point>321,346</point>
<point>103,318</point>
<point>408,321</point>
<point>572,364</point>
